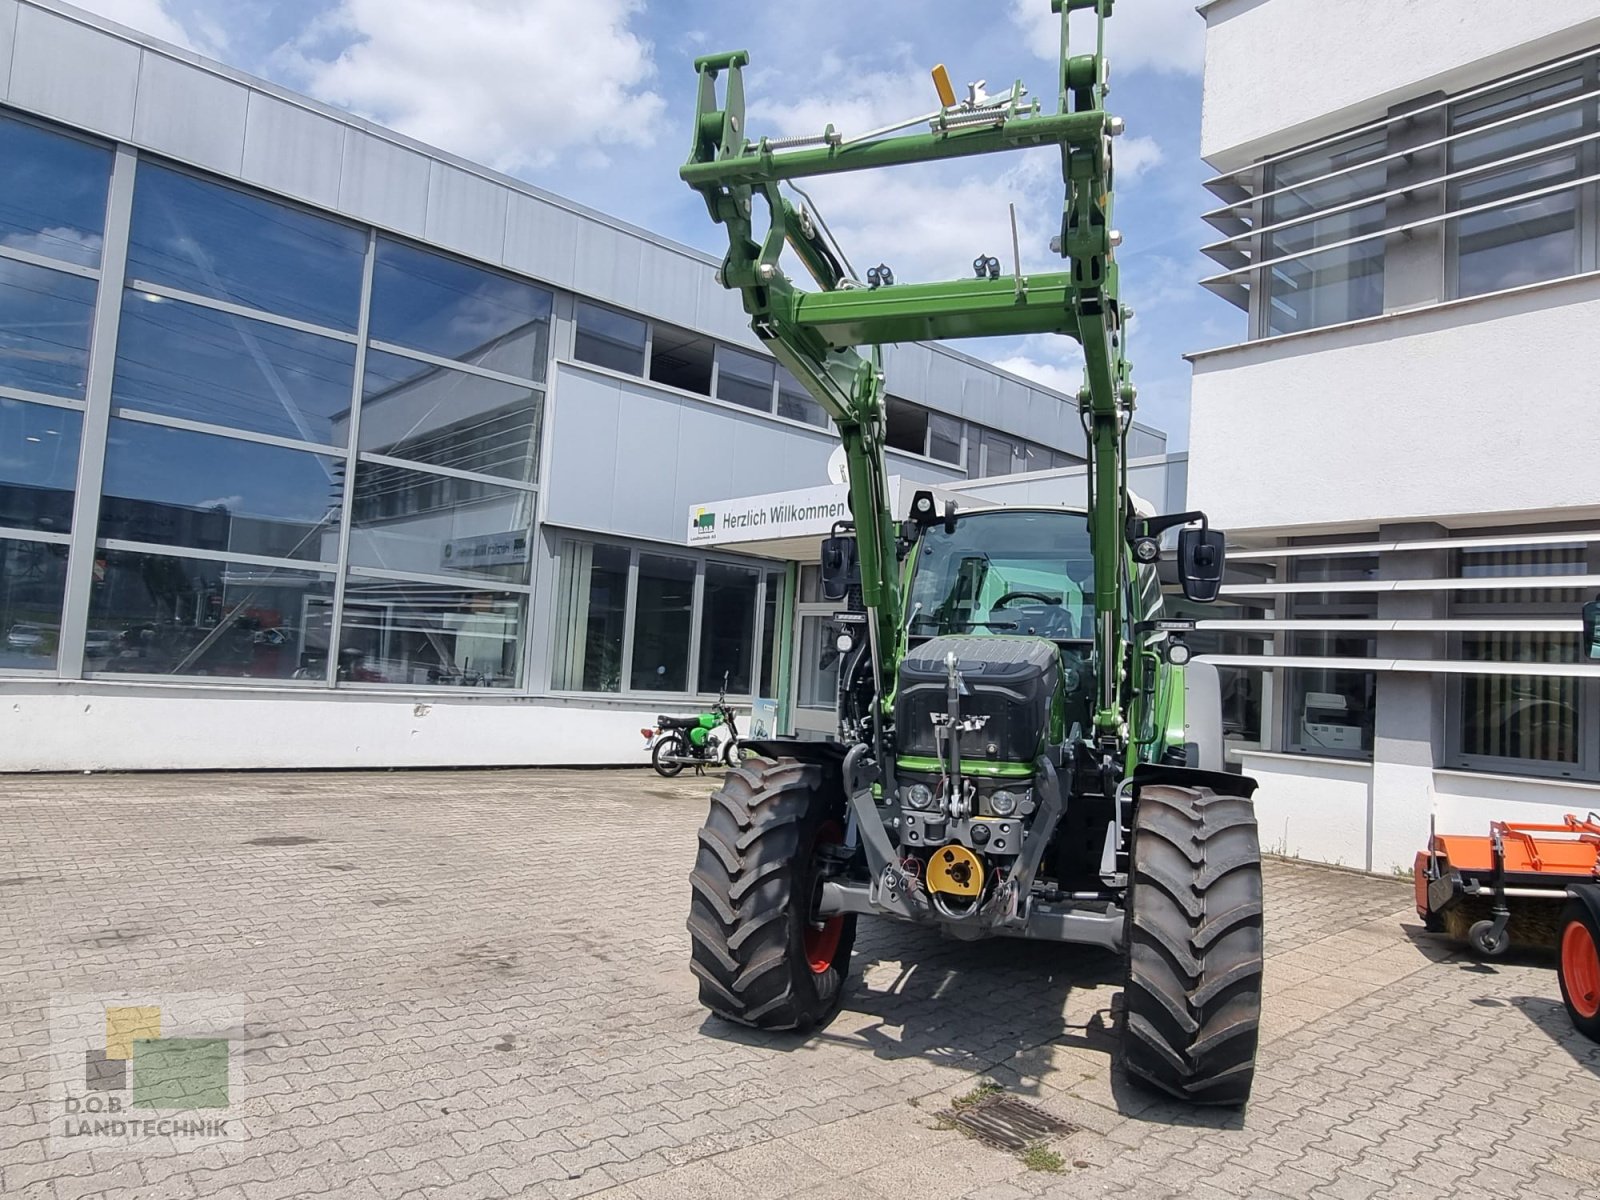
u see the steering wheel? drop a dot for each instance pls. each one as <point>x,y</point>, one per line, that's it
<point>1041,597</point>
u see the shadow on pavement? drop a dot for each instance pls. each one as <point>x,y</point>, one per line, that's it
<point>1551,1017</point>
<point>1002,1006</point>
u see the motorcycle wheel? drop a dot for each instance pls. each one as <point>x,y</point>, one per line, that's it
<point>667,747</point>
<point>733,753</point>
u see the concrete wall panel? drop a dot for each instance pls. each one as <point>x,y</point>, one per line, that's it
<point>80,75</point>
<point>191,114</point>
<point>384,183</point>
<point>466,212</point>
<point>293,150</point>
<point>1272,84</point>
<point>8,41</point>
<point>541,239</point>
<point>1439,413</point>
<point>136,728</point>
<point>1312,808</point>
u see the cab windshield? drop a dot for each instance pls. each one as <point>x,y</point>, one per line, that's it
<point>1006,572</point>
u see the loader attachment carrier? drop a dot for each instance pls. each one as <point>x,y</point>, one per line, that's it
<point>1021,750</point>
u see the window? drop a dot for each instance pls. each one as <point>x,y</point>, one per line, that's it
<point>447,418</point>
<point>1530,724</point>
<point>52,193</point>
<point>175,488</point>
<point>33,580</point>
<point>232,245</point>
<point>427,634</point>
<point>1538,563</point>
<point>419,523</point>
<point>156,614</point>
<point>1529,238</point>
<point>1002,455</point>
<point>442,306</point>
<point>908,426</point>
<point>1322,288</point>
<point>744,379</point>
<point>1537,720</point>
<point>944,438</point>
<point>609,339</point>
<point>45,320</point>
<point>796,403</point>
<point>680,359</point>
<point>728,628</point>
<point>38,465</point>
<point>1331,712</point>
<point>617,605</point>
<point>591,618</point>
<point>202,364</point>
<point>663,619</point>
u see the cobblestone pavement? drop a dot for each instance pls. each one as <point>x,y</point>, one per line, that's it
<point>475,985</point>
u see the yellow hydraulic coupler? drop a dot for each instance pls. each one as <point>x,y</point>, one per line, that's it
<point>955,871</point>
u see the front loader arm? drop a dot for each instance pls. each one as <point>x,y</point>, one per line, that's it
<point>814,333</point>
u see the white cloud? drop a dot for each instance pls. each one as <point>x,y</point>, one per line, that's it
<point>57,242</point>
<point>1051,375</point>
<point>511,83</point>
<point>1133,156</point>
<point>152,17</point>
<point>1144,35</point>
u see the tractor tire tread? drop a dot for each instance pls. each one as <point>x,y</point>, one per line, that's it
<point>747,912</point>
<point>1193,999</point>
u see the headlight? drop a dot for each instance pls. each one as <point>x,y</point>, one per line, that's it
<point>919,795</point>
<point>1178,653</point>
<point>1003,804</point>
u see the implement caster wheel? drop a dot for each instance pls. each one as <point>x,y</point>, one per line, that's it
<point>1488,939</point>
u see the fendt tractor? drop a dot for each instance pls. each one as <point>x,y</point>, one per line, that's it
<point>1021,752</point>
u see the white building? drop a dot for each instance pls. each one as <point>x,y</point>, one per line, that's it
<point>1407,436</point>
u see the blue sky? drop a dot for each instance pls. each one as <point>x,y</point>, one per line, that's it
<point>592,99</point>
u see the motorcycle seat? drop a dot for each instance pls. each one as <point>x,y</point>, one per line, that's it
<point>666,722</point>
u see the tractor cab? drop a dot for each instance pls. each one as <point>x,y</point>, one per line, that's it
<point>1004,572</point>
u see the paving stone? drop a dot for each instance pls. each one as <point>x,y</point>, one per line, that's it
<point>467,1015</point>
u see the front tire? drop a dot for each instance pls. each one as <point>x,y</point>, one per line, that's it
<point>1193,1003</point>
<point>759,957</point>
<point>669,746</point>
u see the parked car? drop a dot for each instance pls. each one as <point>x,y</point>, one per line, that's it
<point>30,639</point>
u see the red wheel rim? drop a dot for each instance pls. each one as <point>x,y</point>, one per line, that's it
<point>1580,969</point>
<point>822,942</point>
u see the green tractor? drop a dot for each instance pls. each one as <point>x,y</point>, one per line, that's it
<point>1022,751</point>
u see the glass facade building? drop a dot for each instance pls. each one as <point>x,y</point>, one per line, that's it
<point>291,406</point>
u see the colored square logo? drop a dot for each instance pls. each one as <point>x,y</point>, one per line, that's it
<point>102,1074</point>
<point>180,1073</point>
<point>125,1025</point>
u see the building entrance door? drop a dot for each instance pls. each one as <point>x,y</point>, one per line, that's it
<point>816,672</point>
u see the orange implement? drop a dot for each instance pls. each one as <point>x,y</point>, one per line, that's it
<point>1518,860</point>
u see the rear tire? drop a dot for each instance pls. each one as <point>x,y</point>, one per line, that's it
<point>1579,967</point>
<point>760,959</point>
<point>671,744</point>
<point>1193,1003</point>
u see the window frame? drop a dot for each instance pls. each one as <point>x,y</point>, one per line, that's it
<point>1586,197</point>
<point>697,690</point>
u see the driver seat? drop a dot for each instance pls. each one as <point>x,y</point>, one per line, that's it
<point>666,722</point>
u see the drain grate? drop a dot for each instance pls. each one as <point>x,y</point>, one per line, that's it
<point>1007,1123</point>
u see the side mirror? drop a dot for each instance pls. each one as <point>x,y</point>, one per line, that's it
<point>839,567</point>
<point>1202,553</point>
<point>1591,629</point>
